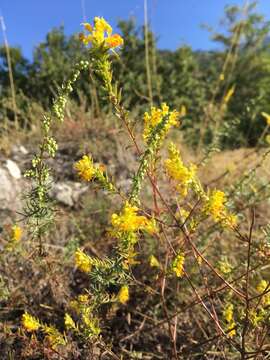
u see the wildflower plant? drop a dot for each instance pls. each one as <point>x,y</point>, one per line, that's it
<point>175,224</point>
<point>31,324</point>
<point>39,210</point>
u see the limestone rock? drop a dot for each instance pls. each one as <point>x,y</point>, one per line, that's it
<point>10,190</point>
<point>67,193</point>
<point>13,169</point>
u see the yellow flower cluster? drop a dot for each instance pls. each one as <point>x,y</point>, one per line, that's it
<point>83,298</point>
<point>129,221</point>
<point>30,323</point>
<point>15,238</point>
<point>83,307</point>
<point>82,261</point>
<point>261,287</point>
<point>125,227</point>
<point>156,116</point>
<point>88,171</point>
<point>69,322</point>
<point>123,295</point>
<point>81,302</point>
<point>256,316</point>
<point>16,233</point>
<point>229,318</point>
<point>228,313</point>
<point>54,336</point>
<point>184,176</point>
<point>153,261</point>
<point>215,206</point>
<point>91,323</point>
<point>224,266</point>
<point>85,168</point>
<point>114,41</point>
<point>178,265</point>
<point>101,34</point>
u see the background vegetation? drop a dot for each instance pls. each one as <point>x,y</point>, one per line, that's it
<point>199,80</point>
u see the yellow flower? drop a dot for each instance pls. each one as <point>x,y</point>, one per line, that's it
<point>224,266</point>
<point>231,329</point>
<point>228,312</point>
<point>123,295</point>
<point>85,168</point>
<point>176,170</point>
<point>173,117</point>
<point>91,323</point>
<point>30,323</point>
<point>100,34</point>
<point>165,109</point>
<point>69,322</point>
<point>114,41</point>
<point>129,221</point>
<point>261,288</point>
<point>83,262</point>
<point>85,39</point>
<point>152,119</point>
<point>102,25</point>
<point>54,336</point>
<point>97,38</point>
<point>267,117</point>
<point>88,27</point>
<point>228,317</point>
<point>215,204</point>
<point>130,256</point>
<point>256,316</point>
<point>154,261</point>
<point>221,77</point>
<point>178,265</point>
<point>16,233</point>
<point>150,226</point>
<point>84,298</point>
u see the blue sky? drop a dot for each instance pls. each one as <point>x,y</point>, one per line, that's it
<point>175,22</point>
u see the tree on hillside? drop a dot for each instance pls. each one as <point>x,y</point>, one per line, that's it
<point>247,58</point>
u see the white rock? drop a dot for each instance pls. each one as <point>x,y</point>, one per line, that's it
<point>77,191</point>
<point>67,193</point>
<point>19,149</point>
<point>23,150</point>
<point>10,191</point>
<point>13,169</point>
<point>6,188</point>
<point>63,193</point>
